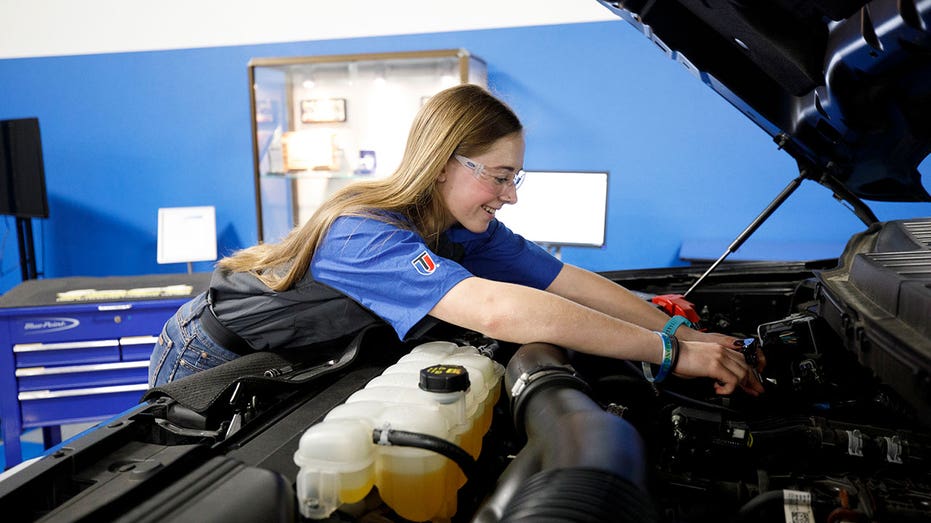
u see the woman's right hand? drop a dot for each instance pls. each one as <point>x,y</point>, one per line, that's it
<point>712,360</point>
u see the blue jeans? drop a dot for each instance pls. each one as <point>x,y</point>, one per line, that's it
<point>184,348</point>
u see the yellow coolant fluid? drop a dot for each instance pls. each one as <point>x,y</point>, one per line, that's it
<point>415,482</point>
<point>337,461</point>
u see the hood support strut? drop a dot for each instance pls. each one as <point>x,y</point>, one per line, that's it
<point>841,193</point>
<point>754,225</point>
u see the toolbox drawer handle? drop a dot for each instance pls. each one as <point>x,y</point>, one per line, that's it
<point>48,394</point>
<point>120,307</point>
<point>139,340</point>
<point>34,347</point>
<point>71,369</point>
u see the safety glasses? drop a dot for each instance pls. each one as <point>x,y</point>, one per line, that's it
<point>499,181</point>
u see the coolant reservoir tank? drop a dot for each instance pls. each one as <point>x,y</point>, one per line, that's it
<point>439,389</point>
<point>337,461</point>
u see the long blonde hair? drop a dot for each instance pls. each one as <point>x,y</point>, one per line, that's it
<point>465,119</point>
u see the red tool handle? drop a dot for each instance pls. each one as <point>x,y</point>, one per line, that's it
<point>677,305</point>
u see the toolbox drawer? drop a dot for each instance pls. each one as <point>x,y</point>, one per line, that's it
<point>82,376</point>
<point>88,321</point>
<point>66,353</point>
<point>137,348</point>
<point>77,405</point>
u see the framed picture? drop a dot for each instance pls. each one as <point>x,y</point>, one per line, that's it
<point>323,110</point>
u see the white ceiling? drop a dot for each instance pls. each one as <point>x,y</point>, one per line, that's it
<point>32,28</point>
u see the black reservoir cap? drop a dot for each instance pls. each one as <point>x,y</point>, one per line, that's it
<point>444,378</point>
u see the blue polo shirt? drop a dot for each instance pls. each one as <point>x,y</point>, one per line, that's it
<point>390,271</point>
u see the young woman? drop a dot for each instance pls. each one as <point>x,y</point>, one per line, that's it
<point>423,245</point>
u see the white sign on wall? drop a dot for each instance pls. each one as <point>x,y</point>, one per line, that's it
<point>187,234</point>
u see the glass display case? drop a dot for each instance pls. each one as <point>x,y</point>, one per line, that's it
<point>319,122</point>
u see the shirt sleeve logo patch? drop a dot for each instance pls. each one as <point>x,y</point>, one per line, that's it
<point>424,263</point>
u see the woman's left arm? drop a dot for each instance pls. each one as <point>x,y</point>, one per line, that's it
<point>599,293</point>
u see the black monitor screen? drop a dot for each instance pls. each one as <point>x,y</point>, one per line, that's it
<point>22,172</point>
<point>560,208</point>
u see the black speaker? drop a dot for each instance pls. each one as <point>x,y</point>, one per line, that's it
<point>22,171</point>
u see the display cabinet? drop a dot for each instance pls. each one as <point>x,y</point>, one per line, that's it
<point>319,122</point>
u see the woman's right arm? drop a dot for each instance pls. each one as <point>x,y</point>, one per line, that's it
<point>520,314</point>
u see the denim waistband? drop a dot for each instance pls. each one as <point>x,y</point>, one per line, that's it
<point>221,333</point>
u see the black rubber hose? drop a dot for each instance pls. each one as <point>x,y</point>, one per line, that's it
<point>579,495</point>
<point>403,438</point>
<point>580,463</point>
<point>750,510</point>
<point>537,366</point>
<point>571,429</point>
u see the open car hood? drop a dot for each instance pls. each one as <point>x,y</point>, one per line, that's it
<point>844,86</point>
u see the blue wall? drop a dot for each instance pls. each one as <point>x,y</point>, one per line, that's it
<point>125,134</point>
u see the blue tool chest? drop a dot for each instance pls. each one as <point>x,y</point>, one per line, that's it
<point>76,350</point>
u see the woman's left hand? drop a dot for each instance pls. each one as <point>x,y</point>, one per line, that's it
<point>727,341</point>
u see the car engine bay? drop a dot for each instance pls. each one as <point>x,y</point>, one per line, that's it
<point>572,437</point>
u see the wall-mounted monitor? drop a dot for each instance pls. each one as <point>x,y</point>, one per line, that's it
<point>560,208</point>
<point>22,171</point>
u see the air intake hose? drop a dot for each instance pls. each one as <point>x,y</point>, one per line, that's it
<point>580,463</point>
